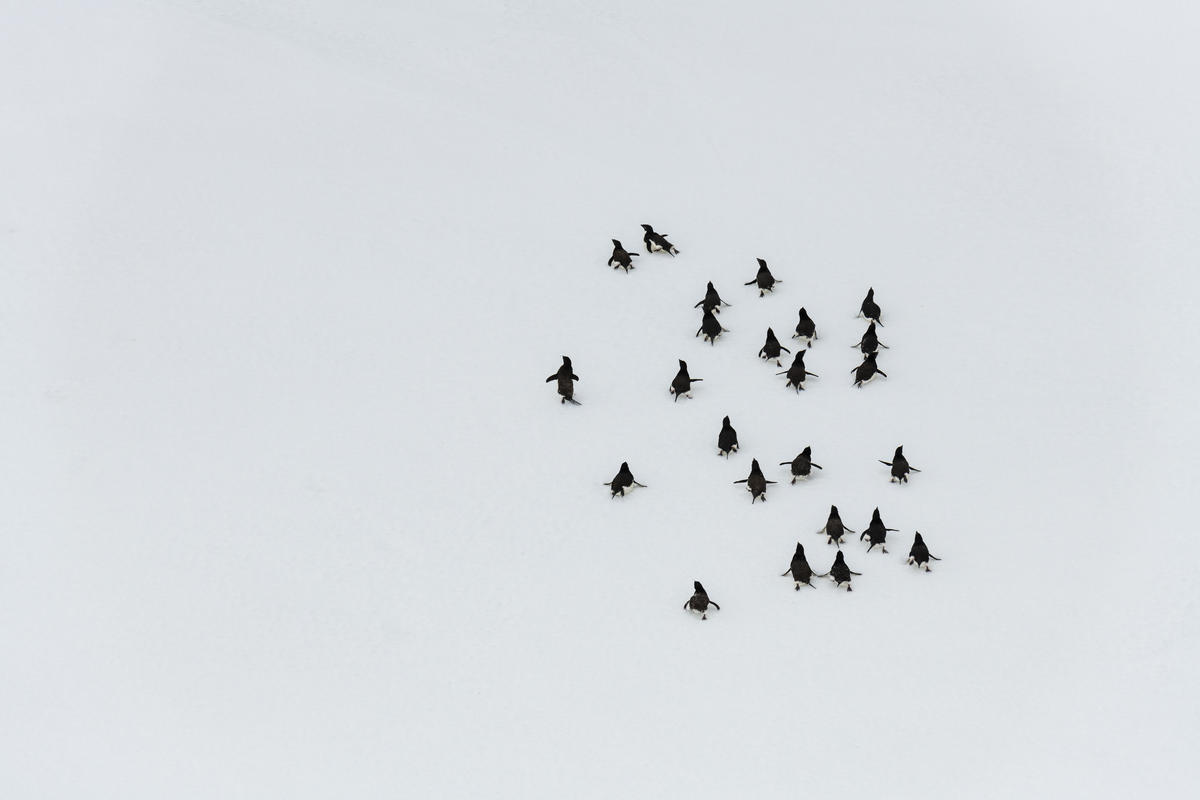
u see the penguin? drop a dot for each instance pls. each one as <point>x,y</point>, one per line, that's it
<point>866,371</point>
<point>700,601</point>
<point>796,373</point>
<point>876,532</point>
<point>710,327</point>
<point>870,309</point>
<point>764,279</point>
<point>800,570</point>
<point>566,385</point>
<point>657,242</point>
<point>623,482</point>
<point>806,329</point>
<point>682,384</point>
<point>840,572</point>
<point>834,528</point>
<point>920,555</point>
<point>712,301</point>
<point>621,257</point>
<point>770,349</point>
<point>900,466</point>
<point>802,465</point>
<point>727,439</point>
<point>756,482</point>
<point>869,343</point>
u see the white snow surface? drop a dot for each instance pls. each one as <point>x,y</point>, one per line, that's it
<point>289,510</point>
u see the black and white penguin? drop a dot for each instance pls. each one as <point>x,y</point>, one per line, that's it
<point>771,348</point>
<point>710,327</point>
<point>806,329</point>
<point>764,279</point>
<point>869,343</point>
<point>756,482</point>
<point>866,371</point>
<point>566,382</point>
<point>802,465</point>
<point>657,242</point>
<point>800,571</point>
<point>920,555</point>
<point>876,532</point>
<point>840,572</point>
<point>900,466</point>
<point>869,308</point>
<point>712,301</point>
<point>727,439</point>
<point>621,257</point>
<point>623,482</point>
<point>834,528</point>
<point>700,601</point>
<point>682,383</point>
<point>796,373</point>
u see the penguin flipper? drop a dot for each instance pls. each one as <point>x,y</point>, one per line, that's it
<point>818,466</point>
<point>885,463</point>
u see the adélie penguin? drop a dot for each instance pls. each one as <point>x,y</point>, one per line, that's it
<point>841,572</point>
<point>771,348</point>
<point>806,329</point>
<point>869,343</point>
<point>796,373</point>
<point>764,280</point>
<point>834,528</point>
<point>800,571</point>
<point>621,257</point>
<point>682,382</point>
<point>623,482</point>
<point>900,466</point>
<point>657,242</point>
<point>710,327</point>
<point>869,308</point>
<point>802,465</point>
<point>876,533</point>
<point>756,482</point>
<point>566,382</point>
<point>712,301</point>
<point>866,371</point>
<point>727,439</point>
<point>700,601</point>
<point>920,555</point>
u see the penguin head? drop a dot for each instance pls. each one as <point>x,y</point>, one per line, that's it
<point>871,293</point>
<point>833,512</point>
<point>699,589</point>
<point>803,313</point>
<point>647,228</point>
<point>875,517</point>
<point>754,465</point>
<point>624,466</point>
<point>682,364</point>
<point>725,422</point>
<point>806,452</point>
<point>871,327</point>
<point>710,287</point>
<point>839,558</point>
<point>899,451</point>
<point>770,334</point>
<point>799,549</point>
<point>762,264</point>
<point>918,540</point>
<point>616,243</point>
<point>566,361</point>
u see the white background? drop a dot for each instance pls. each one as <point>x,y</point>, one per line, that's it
<point>288,510</point>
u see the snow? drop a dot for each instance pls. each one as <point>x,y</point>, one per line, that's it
<point>290,511</point>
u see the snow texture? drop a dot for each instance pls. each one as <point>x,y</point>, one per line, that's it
<point>289,510</point>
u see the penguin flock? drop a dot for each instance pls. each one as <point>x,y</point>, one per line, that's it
<point>801,467</point>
